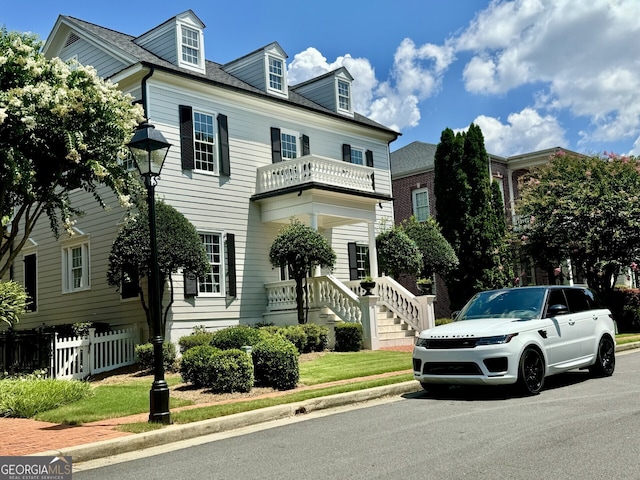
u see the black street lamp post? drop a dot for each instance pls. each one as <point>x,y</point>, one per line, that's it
<point>149,150</point>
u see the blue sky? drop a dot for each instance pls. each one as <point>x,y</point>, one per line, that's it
<point>533,74</point>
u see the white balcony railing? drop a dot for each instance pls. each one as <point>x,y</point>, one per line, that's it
<point>314,169</point>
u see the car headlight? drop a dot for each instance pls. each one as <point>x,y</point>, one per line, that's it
<point>497,340</point>
<point>422,342</point>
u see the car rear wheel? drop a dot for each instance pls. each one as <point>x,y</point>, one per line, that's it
<point>531,372</point>
<point>605,362</point>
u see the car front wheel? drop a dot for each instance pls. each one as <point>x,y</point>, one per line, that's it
<point>605,362</point>
<point>531,372</point>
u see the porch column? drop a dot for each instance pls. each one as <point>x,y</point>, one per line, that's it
<point>373,253</point>
<point>313,223</point>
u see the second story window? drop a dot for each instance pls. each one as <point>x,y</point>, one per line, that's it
<point>344,98</point>
<point>190,46</point>
<point>420,200</point>
<point>289,145</point>
<point>357,156</point>
<point>75,266</point>
<point>204,142</point>
<point>276,74</point>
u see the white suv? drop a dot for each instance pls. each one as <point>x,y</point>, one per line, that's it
<point>518,336</point>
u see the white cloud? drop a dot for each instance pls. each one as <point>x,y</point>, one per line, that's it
<point>582,54</point>
<point>525,131</point>
<point>416,75</point>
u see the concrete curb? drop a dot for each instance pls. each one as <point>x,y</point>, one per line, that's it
<point>175,433</point>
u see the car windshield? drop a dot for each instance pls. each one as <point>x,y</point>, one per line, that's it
<point>520,303</point>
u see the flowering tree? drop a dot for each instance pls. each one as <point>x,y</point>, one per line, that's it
<point>586,209</point>
<point>300,248</point>
<point>61,128</point>
<point>179,247</point>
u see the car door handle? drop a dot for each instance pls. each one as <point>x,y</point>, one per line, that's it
<point>573,322</point>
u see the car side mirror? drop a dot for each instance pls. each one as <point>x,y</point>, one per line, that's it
<point>557,309</point>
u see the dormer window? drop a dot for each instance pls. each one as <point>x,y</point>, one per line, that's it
<point>344,96</point>
<point>190,46</point>
<point>276,74</point>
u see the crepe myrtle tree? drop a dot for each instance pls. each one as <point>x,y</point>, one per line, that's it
<point>62,128</point>
<point>397,253</point>
<point>179,248</point>
<point>586,209</point>
<point>300,249</point>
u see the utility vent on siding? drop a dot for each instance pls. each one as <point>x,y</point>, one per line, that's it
<point>72,38</point>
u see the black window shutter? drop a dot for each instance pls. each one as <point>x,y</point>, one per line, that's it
<point>190,284</point>
<point>369,156</point>
<point>30,281</point>
<point>186,137</point>
<point>276,147</point>
<point>231,265</point>
<point>306,150</point>
<point>353,261</point>
<point>346,152</point>
<point>223,134</point>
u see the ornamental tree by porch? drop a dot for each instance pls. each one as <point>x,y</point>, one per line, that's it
<point>586,209</point>
<point>397,253</point>
<point>61,128</point>
<point>437,254</point>
<point>300,249</point>
<point>179,248</point>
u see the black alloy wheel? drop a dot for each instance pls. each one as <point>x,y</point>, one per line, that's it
<point>605,362</point>
<point>531,372</point>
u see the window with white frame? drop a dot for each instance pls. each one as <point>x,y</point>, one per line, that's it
<point>362,255</point>
<point>344,96</point>
<point>204,140</point>
<point>212,282</point>
<point>75,266</point>
<point>190,42</point>
<point>357,155</point>
<point>289,145</point>
<point>420,199</point>
<point>276,74</point>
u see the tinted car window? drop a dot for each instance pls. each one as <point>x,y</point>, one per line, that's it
<point>578,300</point>
<point>556,297</point>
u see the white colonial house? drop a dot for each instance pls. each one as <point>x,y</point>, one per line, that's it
<point>249,153</point>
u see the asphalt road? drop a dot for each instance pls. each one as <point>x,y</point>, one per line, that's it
<point>577,428</point>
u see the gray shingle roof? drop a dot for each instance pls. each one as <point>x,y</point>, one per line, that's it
<point>214,73</point>
<point>413,158</point>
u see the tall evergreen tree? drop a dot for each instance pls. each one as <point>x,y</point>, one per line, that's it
<point>471,214</point>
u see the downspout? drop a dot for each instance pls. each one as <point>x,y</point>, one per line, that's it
<point>143,88</point>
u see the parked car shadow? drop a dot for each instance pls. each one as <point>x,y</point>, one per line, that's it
<point>469,393</point>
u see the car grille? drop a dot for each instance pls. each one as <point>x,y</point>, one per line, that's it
<point>451,368</point>
<point>445,343</point>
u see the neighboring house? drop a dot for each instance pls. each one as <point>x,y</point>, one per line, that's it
<point>412,178</point>
<point>250,153</point>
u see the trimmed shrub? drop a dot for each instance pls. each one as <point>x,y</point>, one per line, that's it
<point>275,363</point>
<point>317,337</point>
<point>194,365</point>
<point>144,351</point>
<point>295,334</point>
<point>348,337</point>
<point>194,340</point>
<point>230,371</point>
<point>236,337</point>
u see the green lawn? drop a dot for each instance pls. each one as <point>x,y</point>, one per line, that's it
<point>132,397</point>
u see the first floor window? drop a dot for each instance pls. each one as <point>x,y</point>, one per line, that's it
<point>358,260</point>
<point>75,267</point>
<point>211,283</point>
<point>421,204</point>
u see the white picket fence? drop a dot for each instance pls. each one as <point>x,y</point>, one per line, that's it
<point>79,357</point>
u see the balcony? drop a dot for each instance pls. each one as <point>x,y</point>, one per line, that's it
<point>312,171</point>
